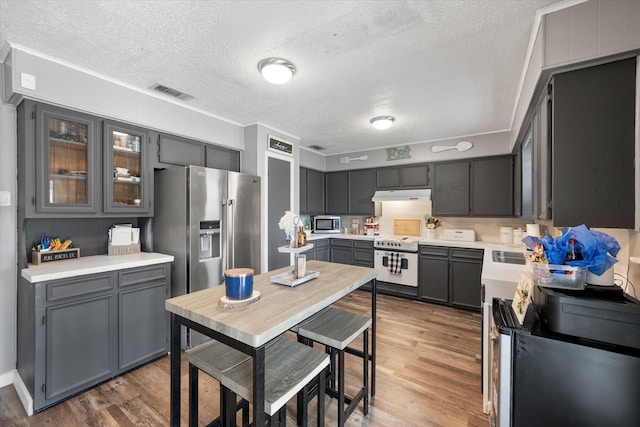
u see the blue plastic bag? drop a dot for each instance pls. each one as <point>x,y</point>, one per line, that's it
<point>598,249</point>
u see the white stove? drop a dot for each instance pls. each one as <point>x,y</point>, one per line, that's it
<point>396,259</point>
<point>397,243</point>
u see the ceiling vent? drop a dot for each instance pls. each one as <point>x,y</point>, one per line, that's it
<point>317,147</point>
<point>171,92</point>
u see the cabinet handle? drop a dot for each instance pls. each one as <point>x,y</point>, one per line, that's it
<point>44,320</point>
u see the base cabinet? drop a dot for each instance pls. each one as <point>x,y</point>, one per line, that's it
<point>75,333</point>
<point>450,276</point>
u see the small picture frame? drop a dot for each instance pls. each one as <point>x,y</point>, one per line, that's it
<point>522,297</point>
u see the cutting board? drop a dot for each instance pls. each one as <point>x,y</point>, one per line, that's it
<point>406,227</point>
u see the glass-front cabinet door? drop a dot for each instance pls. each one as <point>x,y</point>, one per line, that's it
<point>65,161</point>
<point>126,182</point>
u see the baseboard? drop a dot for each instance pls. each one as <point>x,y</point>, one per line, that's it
<point>23,393</point>
<point>6,378</point>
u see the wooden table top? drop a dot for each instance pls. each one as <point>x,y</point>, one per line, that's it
<point>279,307</point>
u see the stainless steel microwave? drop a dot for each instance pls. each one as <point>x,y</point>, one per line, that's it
<point>326,224</point>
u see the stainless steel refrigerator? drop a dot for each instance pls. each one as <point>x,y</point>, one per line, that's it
<point>209,220</point>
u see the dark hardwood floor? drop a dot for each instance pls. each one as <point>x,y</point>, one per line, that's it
<point>429,374</point>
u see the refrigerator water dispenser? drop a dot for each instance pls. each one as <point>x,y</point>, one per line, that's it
<point>209,240</point>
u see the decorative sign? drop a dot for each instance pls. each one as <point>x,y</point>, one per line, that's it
<point>280,146</point>
<point>42,257</point>
<point>398,153</point>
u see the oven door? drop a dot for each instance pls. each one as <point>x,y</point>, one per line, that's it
<point>408,275</point>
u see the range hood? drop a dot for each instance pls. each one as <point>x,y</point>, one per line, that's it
<point>402,195</point>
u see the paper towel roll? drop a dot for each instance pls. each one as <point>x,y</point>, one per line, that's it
<point>533,230</point>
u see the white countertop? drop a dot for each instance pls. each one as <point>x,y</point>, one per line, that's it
<point>91,265</point>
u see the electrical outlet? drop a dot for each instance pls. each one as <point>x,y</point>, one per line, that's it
<point>5,198</point>
<point>28,81</point>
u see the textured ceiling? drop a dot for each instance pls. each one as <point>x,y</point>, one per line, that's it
<point>443,68</point>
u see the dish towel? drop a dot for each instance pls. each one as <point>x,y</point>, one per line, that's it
<point>395,263</point>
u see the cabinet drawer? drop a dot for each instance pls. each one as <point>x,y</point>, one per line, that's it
<point>78,287</point>
<point>323,243</point>
<point>434,250</point>
<point>363,244</point>
<point>467,253</point>
<point>363,255</point>
<point>342,242</point>
<point>142,274</point>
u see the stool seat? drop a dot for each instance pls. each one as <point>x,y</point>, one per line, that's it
<point>335,328</point>
<point>214,358</point>
<point>289,366</point>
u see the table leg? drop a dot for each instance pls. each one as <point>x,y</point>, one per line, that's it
<point>175,372</point>
<point>373,336</point>
<point>258,386</point>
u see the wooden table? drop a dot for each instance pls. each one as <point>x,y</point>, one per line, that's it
<point>250,328</point>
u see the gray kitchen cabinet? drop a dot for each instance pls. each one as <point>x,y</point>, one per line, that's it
<point>474,187</point>
<point>492,181</point>
<point>342,251</point>
<point>466,269</point>
<point>321,250</point>
<point>222,158</point>
<point>142,319</point>
<point>451,188</point>
<point>312,191</point>
<point>77,332</point>
<point>59,167</point>
<point>433,273</point>
<point>336,192</point>
<point>450,276</point>
<point>179,151</point>
<point>173,150</point>
<point>66,165</point>
<point>592,128</point>
<point>363,253</point>
<point>408,176</point>
<point>127,177</point>
<point>303,190</point>
<point>361,189</point>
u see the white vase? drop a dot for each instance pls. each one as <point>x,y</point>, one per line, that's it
<point>431,233</point>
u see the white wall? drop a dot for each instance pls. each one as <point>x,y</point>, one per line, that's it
<point>8,242</point>
<point>64,84</point>
<point>312,160</point>
<point>483,145</point>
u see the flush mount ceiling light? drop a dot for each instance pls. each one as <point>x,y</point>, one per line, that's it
<point>276,70</point>
<point>382,122</point>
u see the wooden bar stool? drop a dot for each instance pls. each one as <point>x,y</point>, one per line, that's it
<point>289,366</point>
<point>214,358</point>
<point>336,329</point>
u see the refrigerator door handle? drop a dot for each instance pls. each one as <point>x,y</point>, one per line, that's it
<point>231,229</point>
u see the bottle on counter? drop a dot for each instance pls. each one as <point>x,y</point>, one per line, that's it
<point>574,253</point>
<point>302,237</point>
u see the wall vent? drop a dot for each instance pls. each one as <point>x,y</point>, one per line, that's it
<point>171,92</point>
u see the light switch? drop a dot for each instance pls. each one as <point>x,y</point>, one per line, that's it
<point>5,198</point>
<point>28,81</point>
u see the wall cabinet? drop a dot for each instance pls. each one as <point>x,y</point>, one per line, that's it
<point>127,176</point>
<point>592,123</point>
<point>337,192</point>
<point>361,189</point>
<point>175,150</point>
<point>67,162</point>
<point>451,188</point>
<point>450,276</point>
<point>312,191</point>
<point>77,332</point>
<point>475,187</point>
<point>492,186</point>
<point>408,176</point>
<point>349,192</point>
